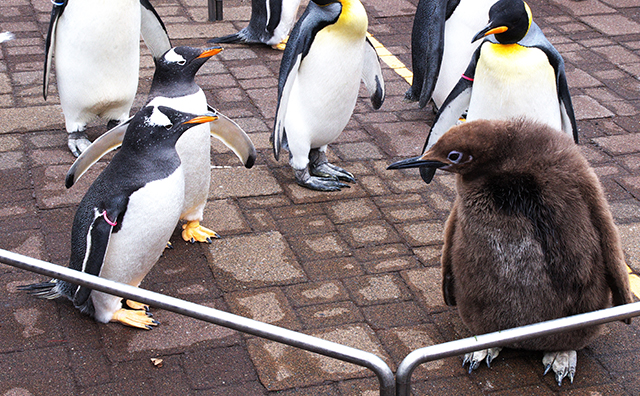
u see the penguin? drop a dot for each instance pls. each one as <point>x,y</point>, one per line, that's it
<point>530,236</point>
<point>441,45</point>
<point>515,72</point>
<point>97,58</point>
<point>123,222</point>
<point>270,24</point>
<point>174,86</point>
<point>326,56</point>
<point>6,36</point>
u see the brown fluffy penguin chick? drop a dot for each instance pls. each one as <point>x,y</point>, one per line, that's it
<point>530,236</point>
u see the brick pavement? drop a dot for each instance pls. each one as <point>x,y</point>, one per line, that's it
<point>360,267</point>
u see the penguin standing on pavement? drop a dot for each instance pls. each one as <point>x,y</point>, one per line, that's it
<point>530,236</point>
<point>174,86</point>
<point>514,73</point>
<point>326,56</point>
<point>441,45</point>
<point>128,214</point>
<point>270,23</point>
<point>97,59</point>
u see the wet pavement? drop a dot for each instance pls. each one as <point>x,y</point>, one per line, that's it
<point>359,267</point>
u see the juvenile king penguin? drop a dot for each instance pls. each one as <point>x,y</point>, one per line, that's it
<point>326,56</point>
<point>97,59</point>
<point>515,72</point>
<point>270,23</point>
<point>127,216</point>
<point>174,86</point>
<point>530,236</point>
<point>441,45</point>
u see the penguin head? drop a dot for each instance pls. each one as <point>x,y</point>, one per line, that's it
<point>323,3</point>
<point>177,68</point>
<point>469,148</point>
<point>509,22</point>
<point>157,127</point>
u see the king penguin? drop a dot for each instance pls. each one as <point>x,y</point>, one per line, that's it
<point>128,214</point>
<point>441,45</point>
<point>530,236</point>
<point>270,23</point>
<point>97,59</point>
<point>174,86</point>
<point>515,72</point>
<point>326,56</point>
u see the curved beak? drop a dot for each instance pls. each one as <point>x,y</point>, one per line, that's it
<point>489,30</point>
<point>416,162</point>
<point>202,119</point>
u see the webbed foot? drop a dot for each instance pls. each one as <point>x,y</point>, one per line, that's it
<point>78,142</point>
<point>475,358</point>
<point>193,232</point>
<point>563,364</point>
<point>304,179</point>
<point>135,318</point>
<point>281,45</point>
<point>136,305</point>
<point>320,166</point>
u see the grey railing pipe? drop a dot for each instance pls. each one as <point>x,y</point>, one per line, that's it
<point>239,323</point>
<point>505,337</point>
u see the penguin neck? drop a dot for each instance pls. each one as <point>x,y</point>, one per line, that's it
<point>353,18</point>
<point>170,88</point>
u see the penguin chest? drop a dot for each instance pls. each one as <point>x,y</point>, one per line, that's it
<point>193,148</point>
<point>514,81</point>
<point>152,214</point>
<point>97,55</point>
<point>326,88</point>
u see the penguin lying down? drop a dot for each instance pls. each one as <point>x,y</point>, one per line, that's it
<point>530,236</point>
<point>127,216</point>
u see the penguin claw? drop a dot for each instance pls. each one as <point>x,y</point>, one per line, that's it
<point>563,364</point>
<point>475,358</point>
<point>330,171</point>
<point>193,232</point>
<point>137,306</point>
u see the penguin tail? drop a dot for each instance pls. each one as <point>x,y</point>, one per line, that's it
<point>49,290</point>
<point>243,36</point>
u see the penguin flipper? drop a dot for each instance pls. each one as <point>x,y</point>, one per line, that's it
<point>153,30</point>
<point>372,75</point>
<point>314,19</point>
<point>110,140</point>
<point>427,48</point>
<point>99,236</point>
<point>569,125</point>
<point>230,133</point>
<point>56,12</point>
<point>448,281</point>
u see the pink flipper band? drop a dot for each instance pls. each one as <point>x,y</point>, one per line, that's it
<point>112,224</point>
<point>467,78</point>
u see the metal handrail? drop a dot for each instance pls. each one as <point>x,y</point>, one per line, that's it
<point>505,337</point>
<point>235,322</point>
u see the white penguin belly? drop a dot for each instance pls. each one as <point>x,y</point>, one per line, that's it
<point>324,94</point>
<point>514,81</point>
<point>469,17</point>
<point>194,150</point>
<point>152,214</point>
<point>97,57</point>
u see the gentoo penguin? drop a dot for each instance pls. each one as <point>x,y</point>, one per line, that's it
<point>174,86</point>
<point>516,72</point>
<point>128,214</point>
<point>270,23</point>
<point>530,236</point>
<point>97,58</point>
<point>441,45</point>
<point>326,56</point>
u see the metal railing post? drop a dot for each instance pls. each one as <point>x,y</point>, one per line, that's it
<point>215,10</point>
<point>505,337</point>
<point>235,322</point>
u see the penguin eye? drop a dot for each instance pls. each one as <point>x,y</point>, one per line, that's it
<point>455,156</point>
<point>168,126</point>
<point>182,62</point>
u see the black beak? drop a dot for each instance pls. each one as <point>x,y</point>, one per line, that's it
<point>416,162</point>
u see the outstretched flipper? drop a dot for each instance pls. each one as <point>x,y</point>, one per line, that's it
<point>56,12</point>
<point>153,30</point>
<point>372,75</point>
<point>237,140</point>
<point>563,364</point>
